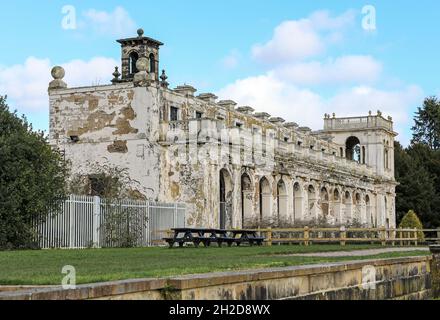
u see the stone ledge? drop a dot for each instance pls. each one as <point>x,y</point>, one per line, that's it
<point>127,287</point>
<point>223,278</point>
<point>87,291</point>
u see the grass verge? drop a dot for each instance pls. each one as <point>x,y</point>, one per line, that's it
<point>97,265</point>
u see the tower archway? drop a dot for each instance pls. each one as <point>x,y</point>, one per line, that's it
<point>353,149</point>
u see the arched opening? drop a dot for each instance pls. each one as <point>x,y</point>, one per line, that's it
<point>134,57</point>
<point>336,205</point>
<point>311,193</point>
<point>347,207</point>
<point>297,201</point>
<point>368,211</point>
<point>246,200</point>
<point>282,201</point>
<point>265,200</point>
<point>353,149</point>
<point>387,220</point>
<point>363,156</point>
<point>324,202</point>
<point>357,207</point>
<point>386,160</point>
<point>225,200</point>
<point>152,63</point>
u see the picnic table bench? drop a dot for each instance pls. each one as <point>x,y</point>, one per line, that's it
<point>197,236</point>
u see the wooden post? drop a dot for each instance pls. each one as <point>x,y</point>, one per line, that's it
<point>401,236</point>
<point>415,237</point>
<point>343,235</point>
<point>393,237</point>
<point>269,237</point>
<point>306,236</point>
<point>383,236</point>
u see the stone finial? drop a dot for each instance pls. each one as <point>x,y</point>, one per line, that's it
<point>291,125</point>
<point>277,120</point>
<point>262,115</point>
<point>163,80</point>
<point>186,90</point>
<point>228,104</point>
<point>245,110</point>
<point>305,129</point>
<point>370,113</point>
<point>208,97</point>
<point>116,75</point>
<point>379,113</point>
<point>334,115</point>
<point>58,74</point>
<point>141,77</point>
<point>140,32</point>
<point>390,118</point>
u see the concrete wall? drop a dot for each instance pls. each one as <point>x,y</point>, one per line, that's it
<point>400,278</point>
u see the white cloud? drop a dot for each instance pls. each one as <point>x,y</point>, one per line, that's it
<point>26,84</point>
<point>116,23</point>
<point>346,69</point>
<point>295,40</point>
<point>307,107</point>
<point>232,60</point>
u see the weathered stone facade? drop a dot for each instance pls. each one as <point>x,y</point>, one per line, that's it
<point>231,166</point>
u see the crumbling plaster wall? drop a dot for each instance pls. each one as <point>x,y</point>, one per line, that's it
<point>115,125</point>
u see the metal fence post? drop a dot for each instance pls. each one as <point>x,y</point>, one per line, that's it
<point>96,219</point>
<point>71,222</point>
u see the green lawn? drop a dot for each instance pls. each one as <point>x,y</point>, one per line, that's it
<point>43,267</point>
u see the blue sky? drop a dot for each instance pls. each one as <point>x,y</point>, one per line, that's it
<point>295,59</point>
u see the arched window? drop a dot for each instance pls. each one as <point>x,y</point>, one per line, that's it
<point>353,149</point>
<point>152,63</point>
<point>134,56</point>
<point>324,202</point>
<point>225,200</point>
<point>246,199</point>
<point>282,201</point>
<point>265,200</point>
<point>363,156</point>
<point>386,161</point>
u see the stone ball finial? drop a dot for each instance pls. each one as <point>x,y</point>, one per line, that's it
<point>140,32</point>
<point>142,64</point>
<point>58,73</point>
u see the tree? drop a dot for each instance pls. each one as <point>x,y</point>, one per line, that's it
<point>427,124</point>
<point>412,221</point>
<point>32,178</point>
<point>416,190</point>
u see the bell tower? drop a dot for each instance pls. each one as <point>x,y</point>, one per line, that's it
<point>136,48</point>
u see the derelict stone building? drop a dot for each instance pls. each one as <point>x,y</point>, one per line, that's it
<point>232,166</point>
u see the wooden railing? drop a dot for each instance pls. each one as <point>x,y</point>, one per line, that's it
<point>343,236</point>
<point>307,236</point>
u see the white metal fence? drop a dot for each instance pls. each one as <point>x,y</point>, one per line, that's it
<point>84,222</point>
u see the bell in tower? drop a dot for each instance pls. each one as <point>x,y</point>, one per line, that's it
<point>136,48</point>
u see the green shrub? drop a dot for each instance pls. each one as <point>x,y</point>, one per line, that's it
<point>412,221</point>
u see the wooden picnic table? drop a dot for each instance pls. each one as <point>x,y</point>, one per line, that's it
<point>210,235</point>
